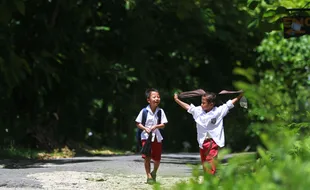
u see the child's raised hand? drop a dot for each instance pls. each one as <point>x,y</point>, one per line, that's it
<point>175,96</point>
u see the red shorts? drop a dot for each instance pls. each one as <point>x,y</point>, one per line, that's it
<point>209,153</point>
<point>156,150</point>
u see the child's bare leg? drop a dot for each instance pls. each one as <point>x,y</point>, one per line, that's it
<point>147,166</point>
<point>156,166</point>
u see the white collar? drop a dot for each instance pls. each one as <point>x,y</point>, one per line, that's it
<point>149,109</point>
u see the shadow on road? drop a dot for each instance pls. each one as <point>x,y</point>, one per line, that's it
<point>176,159</point>
<point>194,159</point>
<point>23,164</point>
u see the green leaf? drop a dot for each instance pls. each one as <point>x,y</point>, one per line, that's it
<point>278,17</point>
<point>127,5</point>
<point>100,28</point>
<point>269,13</point>
<point>248,73</point>
<point>288,3</point>
<point>20,5</point>
<point>254,23</point>
<point>241,85</point>
<point>262,153</point>
<point>252,4</point>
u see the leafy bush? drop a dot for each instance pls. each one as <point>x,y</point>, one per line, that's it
<point>278,94</point>
<point>283,164</point>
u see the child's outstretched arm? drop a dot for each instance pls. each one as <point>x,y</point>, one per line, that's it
<point>181,103</point>
<point>237,98</point>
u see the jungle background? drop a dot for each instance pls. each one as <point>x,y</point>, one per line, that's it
<point>71,67</point>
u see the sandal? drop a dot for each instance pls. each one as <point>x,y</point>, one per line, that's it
<point>150,181</point>
<point>153,174</point>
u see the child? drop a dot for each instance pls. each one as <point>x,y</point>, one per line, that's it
<point>209,124</point>
<point>151,125</point>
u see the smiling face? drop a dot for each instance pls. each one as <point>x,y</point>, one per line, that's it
<point>153,99</point>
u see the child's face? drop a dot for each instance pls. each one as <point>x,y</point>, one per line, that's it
<point>206,106</point>
<point>154,99</point>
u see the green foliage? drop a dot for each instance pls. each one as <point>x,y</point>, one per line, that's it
<point>13,152</point>
<point>277,88</point>
<point>281,93</point>
<point>281,165</point>
<point>18,153</point>
<point>267,15</point>
<point>71,67</point>
<point>278,112</point>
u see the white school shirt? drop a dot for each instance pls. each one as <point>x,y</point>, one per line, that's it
<point>151,120</point>
<point>210,123</point>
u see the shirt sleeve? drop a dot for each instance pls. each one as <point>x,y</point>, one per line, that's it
<point>139,117</point>
<point>194,111</point>
<point>224,109</point>
<point>163,117</point>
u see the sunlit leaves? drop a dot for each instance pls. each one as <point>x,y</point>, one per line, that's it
<point>267,15</point>
<point>122,71</point>
<point>281,95</point>
<point>102,28</point>
<point>248,73</point>
<point>285,153</point>
<point>279,50</point>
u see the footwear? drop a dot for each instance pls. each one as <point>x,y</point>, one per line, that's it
<point>150,181</point>
<point>153,174</point>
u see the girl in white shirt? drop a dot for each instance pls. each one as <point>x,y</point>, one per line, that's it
<point>209,124</point>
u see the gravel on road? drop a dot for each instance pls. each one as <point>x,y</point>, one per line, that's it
<point>110,172</point>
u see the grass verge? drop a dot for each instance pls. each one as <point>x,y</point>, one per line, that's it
<point>65,152</point>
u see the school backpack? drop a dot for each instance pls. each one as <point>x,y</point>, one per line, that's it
<point>139,131</point>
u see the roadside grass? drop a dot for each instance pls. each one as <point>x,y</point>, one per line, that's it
<point>18,153</point>
<point>80,150</point>
<point>106,151</point>
<point>65,152</point>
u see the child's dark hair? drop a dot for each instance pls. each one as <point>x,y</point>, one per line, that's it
<point>148,91</point>
<point>211,97</point>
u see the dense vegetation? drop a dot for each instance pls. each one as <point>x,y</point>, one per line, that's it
<point>277,85</point>
<point>73,67</point>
